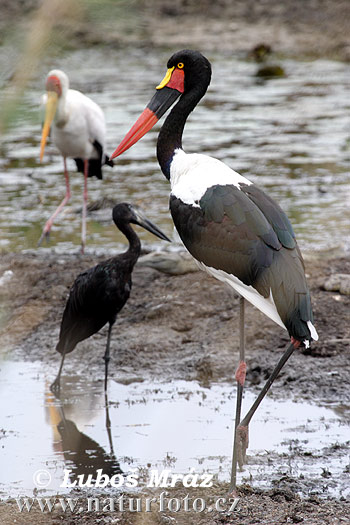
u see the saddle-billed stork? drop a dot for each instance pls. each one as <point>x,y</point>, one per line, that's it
<point>98,294</point>
<point>79,131</point>
<point>234,230</point>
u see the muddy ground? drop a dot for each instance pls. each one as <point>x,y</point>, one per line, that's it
<point>179,327</point>
<point>186,327</point>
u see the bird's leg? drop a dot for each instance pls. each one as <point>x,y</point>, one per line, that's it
<point>108,424</point>
<point>242,429</point>
<point>85,199</point>
<point>106,357</point>
<point>48,225</point>
<point>240,378</point>
<point>56,385</point>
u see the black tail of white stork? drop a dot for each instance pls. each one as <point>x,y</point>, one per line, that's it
<point>235,231</point>
<point>95,165</point>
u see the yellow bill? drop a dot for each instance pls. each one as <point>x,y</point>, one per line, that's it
<point>50,111</point>
<point>166,79</point>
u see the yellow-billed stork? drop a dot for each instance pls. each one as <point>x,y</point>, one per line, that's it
<point>234,230</point>
<point>79,131</point>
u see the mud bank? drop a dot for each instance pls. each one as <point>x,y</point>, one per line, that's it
<point>185,327</point>
<point>177,327</point>
<point>312,28</point>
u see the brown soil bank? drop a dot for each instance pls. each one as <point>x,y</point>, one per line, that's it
<point>308,28</point>
<point>179,327</point>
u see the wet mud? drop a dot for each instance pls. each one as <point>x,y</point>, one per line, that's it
<point>177,327</point>
<point>185,328</point>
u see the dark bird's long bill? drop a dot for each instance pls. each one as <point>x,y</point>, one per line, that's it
<point>149,226</point>
<point>159,104</point>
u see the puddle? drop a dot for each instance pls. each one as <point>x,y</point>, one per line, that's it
<point>289,135</point>
<point>177,426</point>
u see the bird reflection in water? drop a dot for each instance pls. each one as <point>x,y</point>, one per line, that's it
<point>82,454</point>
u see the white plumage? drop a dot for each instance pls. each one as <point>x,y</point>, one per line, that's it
<point>191,174</point>
<point>265,305</point>
<point>78,122</point>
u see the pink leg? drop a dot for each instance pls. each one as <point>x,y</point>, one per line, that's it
<point>48,225</point>
<point>85,199</point>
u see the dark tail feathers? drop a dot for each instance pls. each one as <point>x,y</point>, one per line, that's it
<point>95,165</point>
<point>108,161</point>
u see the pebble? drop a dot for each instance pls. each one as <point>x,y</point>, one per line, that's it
<point>171,263</point>
<point>338,282</point>
<point>6,277</point>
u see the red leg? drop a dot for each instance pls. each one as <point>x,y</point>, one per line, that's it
<point>48,225</point>
<point>85,199</point>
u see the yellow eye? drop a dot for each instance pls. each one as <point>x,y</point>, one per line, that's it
<point>180,65</point>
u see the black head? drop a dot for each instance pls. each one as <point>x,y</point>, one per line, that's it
<point>189,73</point>
<point>196,67</point>
<point>124,213</point>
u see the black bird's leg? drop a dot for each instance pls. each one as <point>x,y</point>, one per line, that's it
<point>108,424</point>
<point>56,385</point>
<point>106,357</point>
<point>242,429</point>
<point>240,378</point>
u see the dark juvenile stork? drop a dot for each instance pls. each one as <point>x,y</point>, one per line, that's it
<point>234,230</point>
<point>78,131</point>
<point>98,294</point>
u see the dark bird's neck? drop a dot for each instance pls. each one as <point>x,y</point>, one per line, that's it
<point>170,135</point>
<point>134,250</point>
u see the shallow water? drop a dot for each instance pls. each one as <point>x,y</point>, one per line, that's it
<point>180,426</point>
<point>290,135</point>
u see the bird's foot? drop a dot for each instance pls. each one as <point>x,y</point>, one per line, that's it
<point>242,444</point>
<point>56,386</point>
<point>45,234</point>
<point>233,499</point>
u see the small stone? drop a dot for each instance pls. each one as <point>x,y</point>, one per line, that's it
<point>338,282</point>
<point>178,263</point>
<point>345,286</point>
